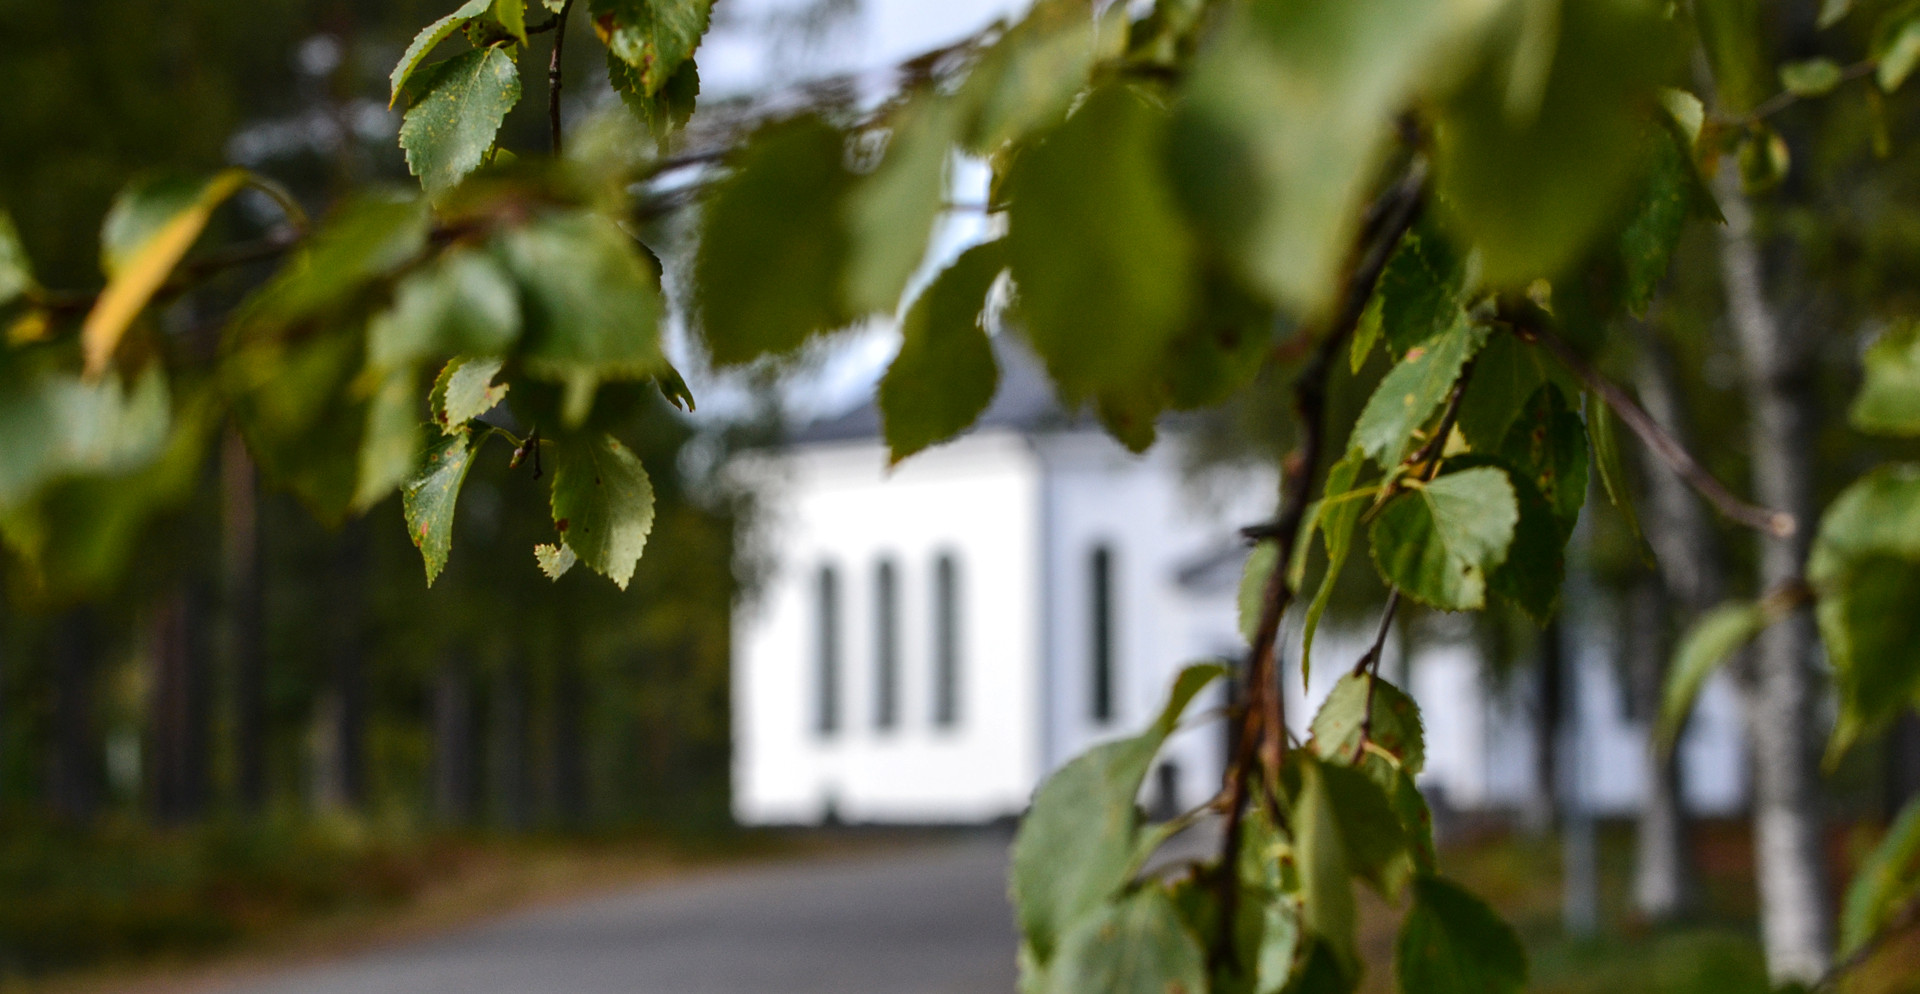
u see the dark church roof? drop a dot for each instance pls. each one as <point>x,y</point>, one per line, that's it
<point>1023,402</point>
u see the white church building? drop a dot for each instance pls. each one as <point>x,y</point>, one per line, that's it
<point>933,640</point>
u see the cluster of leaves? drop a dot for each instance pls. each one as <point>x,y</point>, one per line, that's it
<point>538,311</point>
<point>1342,809</point>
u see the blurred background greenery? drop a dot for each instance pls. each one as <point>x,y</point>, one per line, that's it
<point>268,719</point>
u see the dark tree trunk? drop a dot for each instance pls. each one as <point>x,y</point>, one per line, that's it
<point>246,615</point>
<point>1903,763</point>
<point>512,787</point>
<point>453,761</point>
<point>73,787</point>
<point>1542,812</point>
<point>177,708</point>
<point>349,678</point>
<point>568,752</point>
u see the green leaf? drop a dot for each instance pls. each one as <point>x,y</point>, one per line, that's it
<point>1396,724</point>
<point>1505,376</point>
<point>1668,198</point>
<point>890,214</point>
<point>370,236</point>
<point>666,110</point>
<point>1089,210</point>
<point>463,303</point>
<point>1337,521</point>
<point>1878,514</point>
<point>1810,77</point>
<point>1763,159</point>
<point>1452,943</point>
<point>59,426</point>
<point>1411,391</point>
<point>306,408</point>
<point>1531,191</point>
<point>602,504</point>
<point>655,37</point>
<point>674,387</point>
<point>1535,567</point>
<point>1865,567</point>
<point>1437,542</point>
<point>1889,399</point>
<point>1077,844</point>
<point>554,560</point>
<point>1027,80</point>
<point>391,441</point>
<point>1898,50</point>
<point>1137,945</point>
<point>1262,560</point>
<point>1288,115</point>
<point>1227,341</point>
<point>768,270</point>
<point>1549,445</point>
<point>450,127</point>
<point>1872,634</point>
<point>591,304</point>
<point>16,270</point>
<point>429,498</point>
<point>464,390</point>
<point>511,15</point>
<point>945,374</point>
<point>1376,845</point>
<point>1712,640</point>
<point>1366,334</point>
<point>1420,290</point>
<point>1833,12</point>
<point>1886,882</point>
<point>78,537</point>
<point>1320,851</point>
<point>1606,457</point>
<point>429,37</point>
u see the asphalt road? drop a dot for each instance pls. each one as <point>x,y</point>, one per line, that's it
<point>932,919</point>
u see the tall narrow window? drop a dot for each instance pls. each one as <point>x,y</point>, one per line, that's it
<point>827,659</point>
<point>1100,584</point>
<point>886,646</point>
<point>946,642</point>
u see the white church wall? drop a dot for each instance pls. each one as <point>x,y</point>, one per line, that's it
<point>1098,494</point>
<point>977,500</point>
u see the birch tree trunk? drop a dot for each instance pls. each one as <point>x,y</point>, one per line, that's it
<point>1794,919</point>
<point>1692,577</point>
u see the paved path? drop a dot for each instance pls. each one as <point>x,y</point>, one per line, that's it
<point>928,920</point>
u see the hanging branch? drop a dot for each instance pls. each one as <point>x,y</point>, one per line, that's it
<point>559,25</point>
<point>1532,325</point>
<point>1428,457</point>
<point>1263,726</point>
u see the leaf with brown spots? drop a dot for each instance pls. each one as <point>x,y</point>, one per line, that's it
<point>429,498</point>
<point>603,503</point>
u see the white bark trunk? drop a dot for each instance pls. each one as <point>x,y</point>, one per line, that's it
<point>1692,578</point>
<point>1794,918</point>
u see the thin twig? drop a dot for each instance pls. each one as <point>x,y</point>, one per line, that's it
<point>1787,98</point>
<point>553,72</point>
<point>186,275</point>
<point>1263,726</point>
<point>1531,325</point>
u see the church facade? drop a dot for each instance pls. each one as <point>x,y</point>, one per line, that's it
<point>930,641</point>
